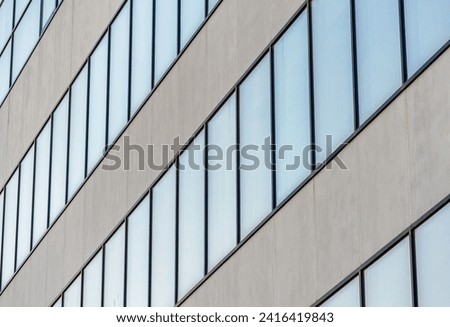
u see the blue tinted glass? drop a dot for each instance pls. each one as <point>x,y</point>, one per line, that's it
<point>5,64</point>
<point>41,183</point>
<point>191,250</point>
<point>163,241</point>
<point>256,176</point>
<point>379,57</point>
<point>9,232</point>
<point>192,15</point>
<point>92,282</point>
<point>6,15</point>
<point>98,85</point>
<point>115,269</point>
<point>427,29</point>
<point>222,183</point>
<point>292,107</point>
<point>138,255</point>
<point>211,4</point>
<point>166,35</point>
<point>118,87</point>
<point>433,260</point>
<point>59,158</point>
<point>72,296</point>
<point>25,206</point>
<point>348,296</point>
<point>20,8</point>
<point>333,85</point>
<point>48,6</point>
<point>141,69</point>
<point>77,138</point>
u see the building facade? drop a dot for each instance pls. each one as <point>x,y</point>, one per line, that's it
<point>312,166</point>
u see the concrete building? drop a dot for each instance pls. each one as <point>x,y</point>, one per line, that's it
<point>358,89</point>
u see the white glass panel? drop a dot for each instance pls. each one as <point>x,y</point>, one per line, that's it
<point>222,180</point>
<point>163,241</point>
<point>6,16</point>
<point>97,102</point>
<point>58,303</point>
<point>292,108</point>
<point>348,296</point>
<point>9,233</point>
<point>192,15</point>
<point>115,269</point>
<point>72,296</point>
<point>141,69</point>
<point>138,255</point>
<point>41,183</point>
<point>118,87</point>
<point>25,206</point>
<point>59,158</point>
<point>388,280</point>
<point>255,128</point>
<point>5,64</point>
<point>20,8</point>
<point>211,4</point>
<point>191,249</point>
<point>92,282</point>
<point>48,6</point>
<point>77,145</point>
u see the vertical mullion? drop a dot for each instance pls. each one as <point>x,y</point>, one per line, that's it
<point>32,196</point>
<point>206,167</point>
<point>311,87</point>
<point>177,222</point>
<point>354,64</point>
<point>125,265</point>
<point>12,46</point>
<point>153,43</point>
<point>413,262</point>
<point>68,145</point>
<point>130,50</point>
<point>49,200</point>
<point>238,168</point>
<point>206,8</point>
<point>401,7</point>
<point>2,237</point>
<point>178,26</point>
<point>17,218</point>
<point>86,139</point>
<point>82,287</point>
<point>273,131</point>
<point>41,16</point>
<point>362,291</point>
<point>150,248</point>
<point>103,277</point>
<point>108,77</point>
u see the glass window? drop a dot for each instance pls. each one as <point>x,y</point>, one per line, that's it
<point>6,15</point>
<point>58,303</point>
<point>379,55</point>
<point>141,63</point>
<point>118,82</point>
<point>222,183</point>
<point>77,137</point>
<point>166,35</point>
<point>433,260</point>
<point>333,84</point>
<point>98,74</point>
<point>191,248</point>
<point>1,229</point>
<point>20,8</point>
<point>5,65</point>
<point>72,296</point>
<point>25,206</point>
<point>292,107</point>
<point>26,36</point>
<point>9,232</point>
<point>59,159</point>
<point>211,4</point>
<point>192,15</point>
<point>388,280</point>
<point>41,183</point>
<point>115,269</point>
<point>427,30</point>
<point>138,255</point>
<point>255,128</point>
<point>48,6</point>
<point>163,241</point>
<point>92,282</point>
<point>348,296</point>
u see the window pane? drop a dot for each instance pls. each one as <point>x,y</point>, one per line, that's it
<point>141,69</point>
<point>379,57</point>
<point>59,158</point>
<point>98,75</point>
<point>191,260</point>
<point>1,227</point>
<point>115,269</point>
<point>222,180</point>
<point>192,15</point>
<point>41,183</point>
<point>138,255</point>
<point>6,15</point>
<point>333,88</point>
<point>348,296</point>
<point>211,4</point>
<point>427,30</point>
<point>20,8</point>
<point>166,35</point>
<point>256,176</point>
<point>58,303</point>
<point>9,233</point>
<point>92,282</point>
<point>72,296</point>
<point>25,37</point>
<point>25,206</point>
<point>163,241</point>
<point>77,141</point>
<point>433,260</point>
<point>5,65</point>
<point>388,280</point>
<point>292,107</point>
<point>118,87</point>
<point>48,6</point>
